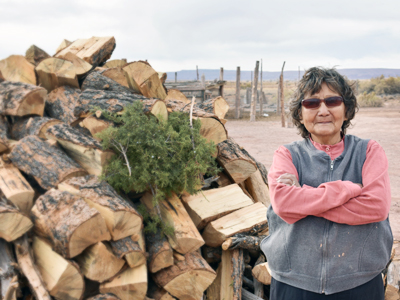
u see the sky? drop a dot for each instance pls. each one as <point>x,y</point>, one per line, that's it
<point>177,35</point>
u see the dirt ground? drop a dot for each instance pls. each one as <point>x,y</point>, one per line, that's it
<point>263,137</point>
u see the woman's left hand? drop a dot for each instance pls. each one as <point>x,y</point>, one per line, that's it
<point>288,179</point>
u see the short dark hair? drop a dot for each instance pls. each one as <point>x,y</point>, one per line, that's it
<point>311,83</point>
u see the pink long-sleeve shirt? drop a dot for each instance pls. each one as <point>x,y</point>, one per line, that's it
<point>338,201</point>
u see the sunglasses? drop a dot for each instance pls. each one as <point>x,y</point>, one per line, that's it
<point>316,103</point>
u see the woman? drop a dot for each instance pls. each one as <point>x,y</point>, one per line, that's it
<point>330,236</point>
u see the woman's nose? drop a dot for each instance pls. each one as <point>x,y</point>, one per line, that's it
<point>323,109</point>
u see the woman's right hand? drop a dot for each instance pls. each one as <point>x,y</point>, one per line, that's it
<point>288,179</point>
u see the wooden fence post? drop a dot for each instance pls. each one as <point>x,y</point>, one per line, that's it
<point>237,103</point>
<point>221,78</point>
<point>282,96</point>
<point>176,76</point>
<point>197,72</point>
<point>248,95</point>
<point>253,96</point>
<point>261,92</point>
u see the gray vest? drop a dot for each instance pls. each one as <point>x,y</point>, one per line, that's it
<point>314,253</point>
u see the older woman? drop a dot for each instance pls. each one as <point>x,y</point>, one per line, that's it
<point>330,236</point>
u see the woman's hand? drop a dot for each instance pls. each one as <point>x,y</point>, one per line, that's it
<point>288,179</point>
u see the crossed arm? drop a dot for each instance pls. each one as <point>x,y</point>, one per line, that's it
<point>338,201</point>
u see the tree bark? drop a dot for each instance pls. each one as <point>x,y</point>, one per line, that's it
<point>178,279</point>
<point>32,126</point>
<point>122,219</point>
<point>96,81</point>
<point>68,222</point>
<point>28,267</point>
<point>20,99</point>
<point>55,72</point>
<point>4,136</point>
<point>243,241</point>
<point>95,50</point>
<point>211,254</point>
<point>62,278</point>
<point>15,187</point>
<point>241,220</point>
<point>8,274</point>
<point>84,149</point>
<point>18,68</point>
<point>61,103</point>
<point>48,165</point>
<point>236,162</point>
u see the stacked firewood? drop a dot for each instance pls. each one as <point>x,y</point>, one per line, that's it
<point>66,234</point>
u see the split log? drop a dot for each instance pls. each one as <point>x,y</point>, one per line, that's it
<point>115,63</point>
<point>178,279</point>
<point>13,223</point>
<point>212,204</point>
<point>95,50</point>
<point>1,77</point>
<point>262,273</point>
<point>96,81</point>
<point>18,68</point>
<point>392,293</point>
<point>48,165</point>
<point>117,74</point>
<point>174,94</point>
<point>162,76</point>
<point>214,290</point>
<point>81,67</point>
<point>115,102</point>
<point>246,295</point>
<point>211,254</point>
<point>160,251</point>
<point>243,241</point>
<point>257,188</point>
<point>132,248</point>
<point>95,125</point>
<point>211,126</point>
<point>29,268</point>
<point>243,187</point>
<point>20,99</point>
<point>68,222</point>
<point>85,150</point>
<point>55,72</point>
<point>122,219</point>
<point>131,284</point>
<point>35,55</point>
<point>232,267</point>
<point>186,237</point>
<point>15,187</point>
<point>260,166</point>
<point>157,293</point>
<point>61,103</point>
<point>32,126</point>
<point>62,278</point>
<point>241,220</point>
<point>8,274</point>
<point>143,78</point>
<point>217,106</point>
<point>223,180</point>
<point>99,263</point>
<point>234,161</point>
<point>64,44</point>
<point>4,136</point>
<point>108,296</point>
<point>258,284</point>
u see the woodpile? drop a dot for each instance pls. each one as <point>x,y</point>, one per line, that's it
<point>66,234</point>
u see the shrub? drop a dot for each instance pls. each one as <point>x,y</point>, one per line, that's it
<point>369,100</point>
<point>381,85</point>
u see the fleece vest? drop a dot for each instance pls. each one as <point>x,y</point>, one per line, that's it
<point>314,253</point>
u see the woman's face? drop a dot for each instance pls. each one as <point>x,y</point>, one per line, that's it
<point>324,123</point>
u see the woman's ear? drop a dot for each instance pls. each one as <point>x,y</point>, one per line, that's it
<point>300,116</point>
